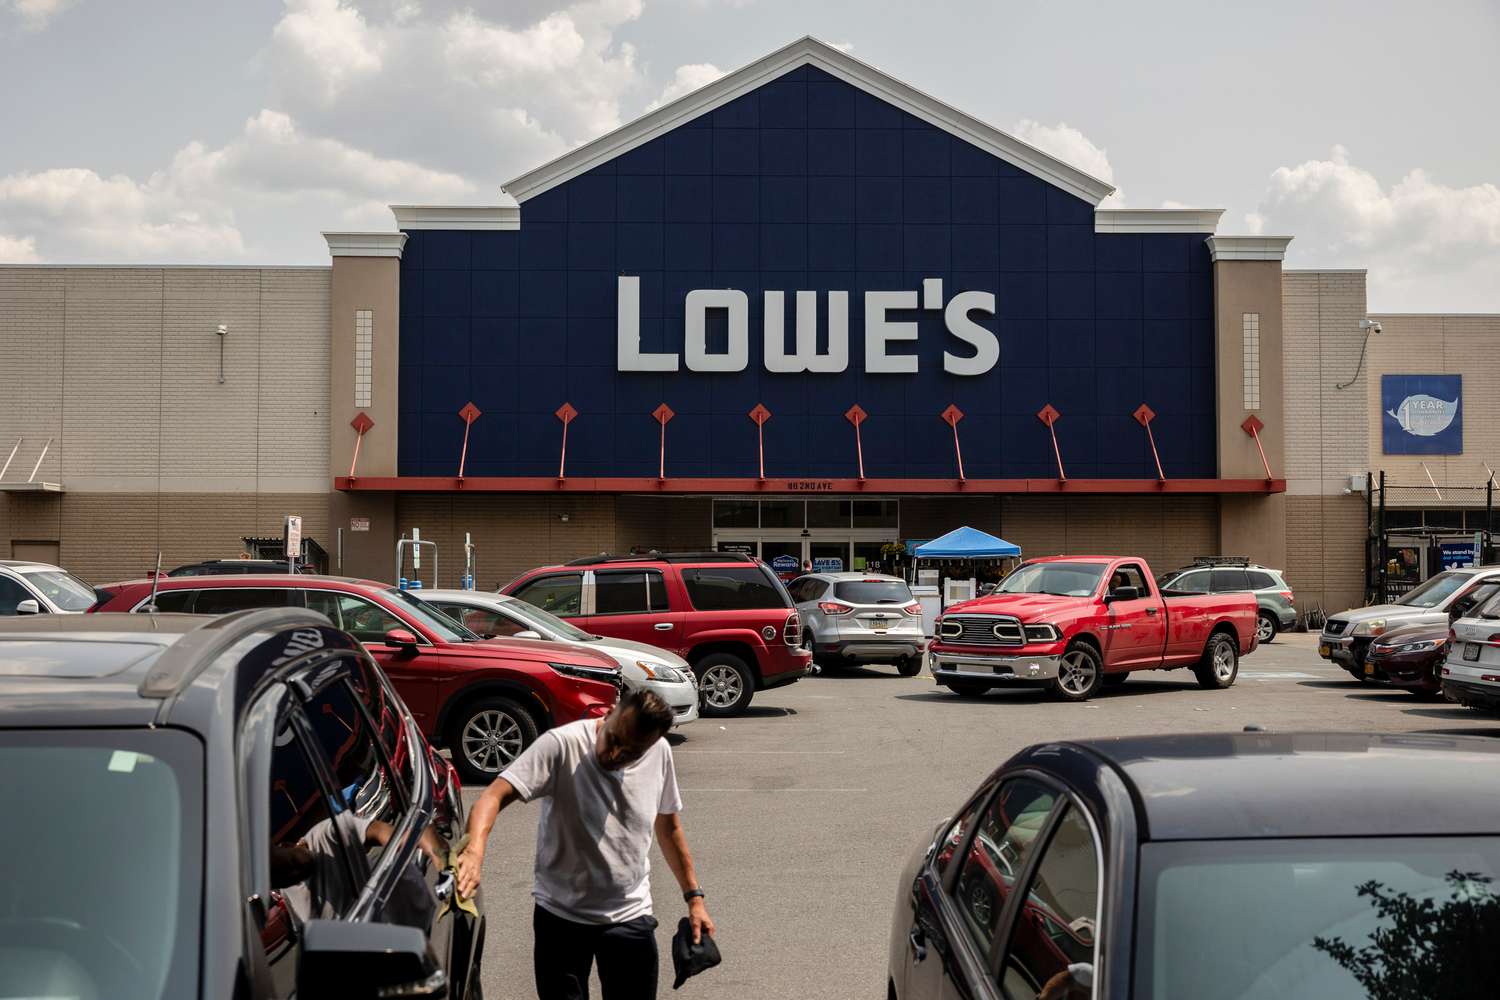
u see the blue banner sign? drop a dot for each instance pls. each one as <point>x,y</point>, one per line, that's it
<point>1422,414</point>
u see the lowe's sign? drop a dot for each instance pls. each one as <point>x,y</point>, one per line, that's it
<point>979,347</point>
<point>1422,414</point>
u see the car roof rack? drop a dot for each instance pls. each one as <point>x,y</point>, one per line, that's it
<point>1221,561</point>
<point>670,557</point>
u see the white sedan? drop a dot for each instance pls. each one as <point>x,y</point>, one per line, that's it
<point>501,616</point>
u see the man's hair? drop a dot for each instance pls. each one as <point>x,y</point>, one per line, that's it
<point>650,713</point>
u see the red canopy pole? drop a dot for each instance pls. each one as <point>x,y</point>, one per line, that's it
<point>1048,415</point>
<point>856,416</point>
<point>951,416</point>
<point>1144,415</point>
<point>565,413</point>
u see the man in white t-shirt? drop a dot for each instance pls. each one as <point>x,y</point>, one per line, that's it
<point>605,785</point>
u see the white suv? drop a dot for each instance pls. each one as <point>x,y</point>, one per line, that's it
<point>1471,673</point>
<point>33,588</point>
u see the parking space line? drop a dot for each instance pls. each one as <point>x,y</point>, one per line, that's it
<point>695,790</point>
<point>676,751</point>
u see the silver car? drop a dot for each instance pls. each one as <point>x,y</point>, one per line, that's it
<point>1276,605</point>
<point>1450,595</point>
<point>1471,673</point>
<point>641,666</point>
<point>850,618</point>
<point>33,588</point>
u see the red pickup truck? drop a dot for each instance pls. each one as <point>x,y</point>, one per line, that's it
<point>1076,623</point>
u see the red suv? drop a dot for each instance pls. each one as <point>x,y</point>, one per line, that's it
<point>726,614</point>
<point>485,700</point>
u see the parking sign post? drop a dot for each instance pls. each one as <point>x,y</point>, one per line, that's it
<point>292,541</point>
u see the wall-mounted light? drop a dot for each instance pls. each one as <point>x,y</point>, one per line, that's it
<point>565,518</point>
<point>223,332</point>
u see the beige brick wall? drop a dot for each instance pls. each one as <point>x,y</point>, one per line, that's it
<point>1167,531</point>
<point>1325,551</point>
<point>1327,429</point>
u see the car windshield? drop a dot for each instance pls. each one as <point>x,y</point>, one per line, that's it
<point>1064,579</point>
<point>436,622</point>
<point>62,588</point>
<point>78,922</point>
<point>1435,591</point>
<point>872,592</point>
<point>1327,918</point>
<point>547,623</point>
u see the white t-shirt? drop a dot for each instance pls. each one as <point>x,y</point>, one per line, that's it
<point>593,838</point>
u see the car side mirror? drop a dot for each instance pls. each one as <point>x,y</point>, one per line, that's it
<point>1124,594</point>
<point>529,633</point>
<point>401,638</point>
<point>346,959</point>
<point>28,607</point>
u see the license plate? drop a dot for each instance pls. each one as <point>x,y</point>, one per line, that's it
<point>1325,650</point>
<point>1369,669</point>
<point>1471,650</point>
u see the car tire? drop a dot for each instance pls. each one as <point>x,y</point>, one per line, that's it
<point>725,685</point>
<point>909,666</point>
<point>1220,664</point>
<point>1265,627</point>
<point>1115,680</point>
<point>1080,676</point>
<point>487,735</point>
<point>966,689</point>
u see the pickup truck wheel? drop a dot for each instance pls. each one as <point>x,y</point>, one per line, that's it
<point>1080,675</point>
<point>487,735</point>
<point>1220,664</point>
<point>725,684</point>
<point>1265,627</point>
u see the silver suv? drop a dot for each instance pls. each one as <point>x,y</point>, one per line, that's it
<point>1226,575</point>
<point>850,618</point>
<point>1471,672</point>
<point>1450,595</point>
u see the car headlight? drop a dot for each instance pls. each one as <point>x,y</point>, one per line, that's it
<point>606,675</point>
<point>1042,633</point>
<point>1415,647</point>
<point>661,672</point>
<point>1374,626</point>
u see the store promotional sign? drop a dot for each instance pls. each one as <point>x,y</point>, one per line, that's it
<point>978,348</point>
<point>1422,414</point>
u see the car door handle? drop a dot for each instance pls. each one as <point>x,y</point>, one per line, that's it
<point>663,626</point>
<point>1151,611</point>
<point>918,943</point>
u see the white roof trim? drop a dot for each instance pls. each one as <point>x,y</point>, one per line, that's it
<point>413,217</point>
<point>1157,220</point>
<point>1248,247</point>
<point>803,52</point>
<point>365,244</point>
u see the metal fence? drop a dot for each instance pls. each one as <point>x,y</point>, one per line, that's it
<point>1416,531</point>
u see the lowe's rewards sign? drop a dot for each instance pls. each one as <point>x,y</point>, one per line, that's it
<point>1422,414</point>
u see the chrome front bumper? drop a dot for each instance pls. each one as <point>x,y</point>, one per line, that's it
<point>998,668</point>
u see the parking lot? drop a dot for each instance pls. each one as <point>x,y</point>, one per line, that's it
<point>801,814</point>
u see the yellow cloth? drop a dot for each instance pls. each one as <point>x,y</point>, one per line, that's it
<point>467,905</point>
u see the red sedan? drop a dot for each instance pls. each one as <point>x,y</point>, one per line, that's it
<point>486,700</point>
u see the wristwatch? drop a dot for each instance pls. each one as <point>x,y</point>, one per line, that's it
<point>691,895</point>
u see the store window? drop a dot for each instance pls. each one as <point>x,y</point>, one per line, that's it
<point>736,514</point>
<point>364,352</point>
<point>875,513</point>
<point>829,513</point>
<point>1252,360</point>
<point>781,514</point>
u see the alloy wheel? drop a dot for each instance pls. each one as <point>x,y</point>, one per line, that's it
<point>721,686</point>
<point>1076,672</point>
<point>1223,660</point>
<point>491,740</point>
<point>1263,630</point>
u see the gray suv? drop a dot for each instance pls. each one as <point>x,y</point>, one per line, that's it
<point>850,618</point>
<point>1278,607</point>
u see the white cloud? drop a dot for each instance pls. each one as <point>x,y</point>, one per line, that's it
<point>328,46</point>
<point>17,251</point>
<point>1416,233</point>
<point>36,14</point>
<point>686,80</point>
<point>192,210</point>
<point>1073,147</point>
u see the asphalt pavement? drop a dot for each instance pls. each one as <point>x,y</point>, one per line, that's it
<point>801,813</point>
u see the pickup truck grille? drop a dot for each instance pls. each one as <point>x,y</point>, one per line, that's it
<point>1335,626</point>
<point>982,630</point>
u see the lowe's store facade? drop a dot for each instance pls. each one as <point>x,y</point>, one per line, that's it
<point>806,311</point>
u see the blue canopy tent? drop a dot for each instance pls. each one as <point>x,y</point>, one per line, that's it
<point>967,543</point>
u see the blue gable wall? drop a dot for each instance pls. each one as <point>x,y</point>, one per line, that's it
<point>806,183</point>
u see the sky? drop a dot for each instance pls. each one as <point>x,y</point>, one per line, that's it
<point>234,131</point>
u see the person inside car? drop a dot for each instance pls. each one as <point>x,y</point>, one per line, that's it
<point>310,875</point>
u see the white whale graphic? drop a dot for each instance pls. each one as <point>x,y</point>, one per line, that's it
<point>1423,415</point>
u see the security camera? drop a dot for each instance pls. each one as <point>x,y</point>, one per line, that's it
<point>223,329</point>
<point>1369,325</point>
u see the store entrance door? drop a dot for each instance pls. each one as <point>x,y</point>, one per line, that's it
<point>784,555</point>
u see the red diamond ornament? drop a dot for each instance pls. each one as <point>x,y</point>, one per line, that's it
<point>760,414</point>
<point>952,415</point>
<point>1048,414</point>
<point>1144,414</point>
<point>565,412</point>
<point>361,422</point>
<point>1252,425</point>
<point>470,413</point>
<point>663,413</point>
<point>855,415</point>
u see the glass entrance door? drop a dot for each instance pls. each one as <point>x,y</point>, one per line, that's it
<point>784,555</point>
<point>829,556</point>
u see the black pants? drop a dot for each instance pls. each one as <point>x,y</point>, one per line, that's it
<point>566,950</point>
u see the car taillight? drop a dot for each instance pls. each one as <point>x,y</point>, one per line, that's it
<point>791,632</point>
<point>914,609</point>
<point>1290,599</point>
<point>834,608</point>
